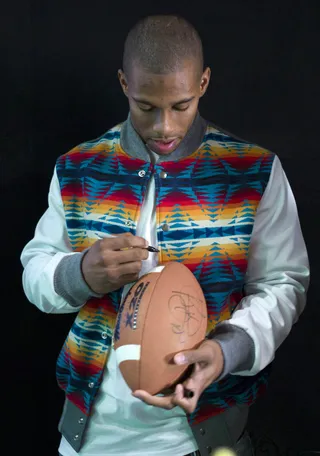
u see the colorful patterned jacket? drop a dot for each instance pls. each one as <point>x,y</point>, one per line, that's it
<point>206,205</point>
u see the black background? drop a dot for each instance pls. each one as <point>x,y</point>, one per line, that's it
<point>60,87</point>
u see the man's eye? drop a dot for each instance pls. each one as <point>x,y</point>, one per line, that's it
<point>181,108</point>
<point>145,108</point>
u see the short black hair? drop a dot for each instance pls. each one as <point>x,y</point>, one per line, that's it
<point>160,44</point>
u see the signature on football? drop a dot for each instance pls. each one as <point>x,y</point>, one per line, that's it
<point>186,312</point>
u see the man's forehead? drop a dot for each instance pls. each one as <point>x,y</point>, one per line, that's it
<point>179,77</point>
<point>164,97</point>
<point>179,84</point>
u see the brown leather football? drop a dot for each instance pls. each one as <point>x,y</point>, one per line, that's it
<point>163,313</point>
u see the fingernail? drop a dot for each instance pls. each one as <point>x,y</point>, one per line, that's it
<point>180,359</point>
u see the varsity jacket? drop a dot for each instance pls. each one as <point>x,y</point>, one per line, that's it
<point>206,206</point>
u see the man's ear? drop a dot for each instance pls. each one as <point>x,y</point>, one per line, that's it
<point>123,82</point>
<point>205,79</point>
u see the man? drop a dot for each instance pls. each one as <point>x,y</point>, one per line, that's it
<point>220,205</point>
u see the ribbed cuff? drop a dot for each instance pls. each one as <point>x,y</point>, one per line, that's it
<point>237,348</point>
<point>69,283</point>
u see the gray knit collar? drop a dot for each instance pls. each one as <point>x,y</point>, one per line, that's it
<point>133,145</point>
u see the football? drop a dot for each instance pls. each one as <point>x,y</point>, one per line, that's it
<point>163,313</point>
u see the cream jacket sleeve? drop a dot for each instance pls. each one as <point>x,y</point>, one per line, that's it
<point>44,252</point>
<point>277,276</point>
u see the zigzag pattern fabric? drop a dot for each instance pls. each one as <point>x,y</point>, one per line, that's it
<point>206,209</point>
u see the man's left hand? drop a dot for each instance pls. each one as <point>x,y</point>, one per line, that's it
<point>207,361</point>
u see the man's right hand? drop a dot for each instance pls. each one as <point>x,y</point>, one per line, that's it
<point>106,267</point>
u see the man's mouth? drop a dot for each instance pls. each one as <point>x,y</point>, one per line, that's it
<point>158,145</point>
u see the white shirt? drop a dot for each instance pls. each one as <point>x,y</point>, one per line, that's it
<point>276,283</point>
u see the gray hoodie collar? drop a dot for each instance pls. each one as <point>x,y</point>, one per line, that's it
<point>133,145</point>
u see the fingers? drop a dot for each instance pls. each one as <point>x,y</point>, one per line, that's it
<point>105,266</point>
<point>129,278</point>
<point>157,401</point>
<point>205,369</point>
<point>125,240</point>
<point>203,354</point>
<point>178,398</point>
<point>121,272</point>
<point>208,369</point>
<point>132,254</point>
<point>188,404</point>
<point>124,249</point>
<point>195,379</point>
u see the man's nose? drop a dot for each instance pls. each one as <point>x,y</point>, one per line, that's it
<point>162,126</point>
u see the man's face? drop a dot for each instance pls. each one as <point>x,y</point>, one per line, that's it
<point>163,107</point>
